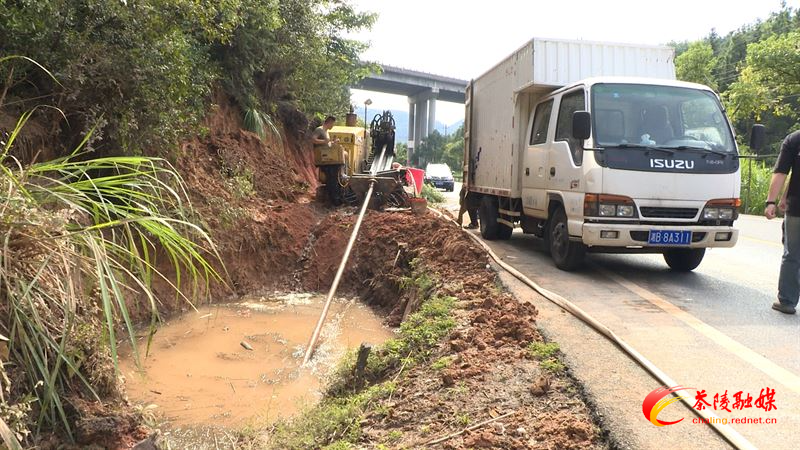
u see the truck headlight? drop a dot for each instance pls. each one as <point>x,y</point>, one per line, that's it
<point>711,213</point>
<point>625,211</point>
<point>608,210</point>
<point>608,205</point>
<point>722,209</point>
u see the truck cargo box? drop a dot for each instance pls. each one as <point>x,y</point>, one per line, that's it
<point>500,101</point>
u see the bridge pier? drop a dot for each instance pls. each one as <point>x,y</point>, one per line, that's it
<point>422,90</point>
<point>421,117</point>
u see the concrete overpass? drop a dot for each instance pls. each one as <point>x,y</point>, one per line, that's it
<point>422,90</point>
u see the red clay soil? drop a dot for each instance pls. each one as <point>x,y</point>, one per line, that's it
<point>491,373</point>
<point>277,237</point>
<point>271,234</point>
<point>255,206</point>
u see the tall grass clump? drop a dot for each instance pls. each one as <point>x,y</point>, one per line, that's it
<point>756,176</point>
<point>78,242</point>
<point>259,122</point>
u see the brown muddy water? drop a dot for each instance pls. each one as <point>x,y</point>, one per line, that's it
<point>200,372</point>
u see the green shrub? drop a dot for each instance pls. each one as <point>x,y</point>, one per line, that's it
<point>80,237</point>
<point>756,176</point>
<point>142,71</point>
<point>431,194</point>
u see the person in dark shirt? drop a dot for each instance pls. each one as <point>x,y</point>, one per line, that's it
<point>789,279</point>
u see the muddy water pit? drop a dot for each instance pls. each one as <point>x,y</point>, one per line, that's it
<point>239,364</point>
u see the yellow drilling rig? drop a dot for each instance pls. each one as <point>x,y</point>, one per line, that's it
<point>357,159</point>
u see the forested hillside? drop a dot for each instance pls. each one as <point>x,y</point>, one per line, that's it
<point>141,73</point>
<point>124,170</point>
<point>756,69</point>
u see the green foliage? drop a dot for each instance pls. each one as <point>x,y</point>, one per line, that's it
<point>431,194</point>
<point>756,176</point>
<point>542,350</point>
<point>80,237</point>
<point>754,69</point>
<point>137,71</point>
<point>401,152</point>
<point>545,353</point>
<point>769,80</point>
<point>333,418</point>
<point>442,363</point>
<point>696,64</point>
<point>552,365</point>
<point>142,71</point>
<point>437,148</point>
<point>339,445</point>
<point>258,122</point>
<point>240,183</point>
<point>339,414</point>
<point>394,436</point>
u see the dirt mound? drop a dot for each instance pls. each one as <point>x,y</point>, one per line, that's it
<point>488,370</point>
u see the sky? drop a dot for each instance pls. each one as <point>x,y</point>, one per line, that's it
<point>463,39</point>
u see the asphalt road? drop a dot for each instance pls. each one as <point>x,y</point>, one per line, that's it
<point>711,329</point>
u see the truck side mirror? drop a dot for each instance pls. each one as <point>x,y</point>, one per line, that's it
<point>757,138</point>
<point>581,125</point>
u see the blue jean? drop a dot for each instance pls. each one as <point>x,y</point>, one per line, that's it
<point>789,280</point>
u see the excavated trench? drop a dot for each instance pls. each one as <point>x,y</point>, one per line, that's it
<point>239,364</point>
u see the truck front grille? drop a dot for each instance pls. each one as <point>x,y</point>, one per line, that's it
<point>668,213</point>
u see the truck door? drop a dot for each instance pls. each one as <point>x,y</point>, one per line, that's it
<point>565,154</point>
<point>534,176</point>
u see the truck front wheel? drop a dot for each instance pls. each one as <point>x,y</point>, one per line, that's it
<point>684,259</point>
<point>567,255</point>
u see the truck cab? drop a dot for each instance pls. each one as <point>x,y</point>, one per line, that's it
<point>630,165</point>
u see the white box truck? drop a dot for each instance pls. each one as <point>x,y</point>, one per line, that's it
<point>595,147</point>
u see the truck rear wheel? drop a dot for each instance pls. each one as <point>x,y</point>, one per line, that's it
<point>504,231</point>
<point>487,214</point>
<point>684,259</point>
<point>567,255</point>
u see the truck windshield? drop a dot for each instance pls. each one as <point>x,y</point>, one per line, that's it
<point>634,115</point>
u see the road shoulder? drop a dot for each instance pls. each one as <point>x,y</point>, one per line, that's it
<point>614,385</point>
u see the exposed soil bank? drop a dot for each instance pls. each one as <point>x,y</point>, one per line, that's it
<point>485,367</point>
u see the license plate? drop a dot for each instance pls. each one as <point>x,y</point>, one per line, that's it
<point>669,237</point>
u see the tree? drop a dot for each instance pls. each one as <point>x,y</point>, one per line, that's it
<point>401,153</point>
<point>696,64</point>
<point>430,149</point>
<point>141,71</point>
<point>453,154</point>
<point>770,80</point>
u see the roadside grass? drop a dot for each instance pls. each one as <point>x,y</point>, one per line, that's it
<point>542,350</point>
<point>79,240</point>
<point>546,354</point>
<point>335,423</point>
<point>431,194</point>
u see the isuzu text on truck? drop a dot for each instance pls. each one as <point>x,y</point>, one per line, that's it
<point>627,161</point>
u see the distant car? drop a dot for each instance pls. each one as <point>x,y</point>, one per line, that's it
<point>440,176</point>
